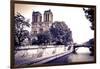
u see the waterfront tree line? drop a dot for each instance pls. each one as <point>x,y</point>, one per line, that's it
<point>58,34</point>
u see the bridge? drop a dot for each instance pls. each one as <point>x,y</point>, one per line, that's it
<point>75,47</point>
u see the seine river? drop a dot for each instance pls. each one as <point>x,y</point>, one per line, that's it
<point>83,55</point>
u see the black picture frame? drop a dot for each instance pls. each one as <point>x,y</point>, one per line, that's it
<point>12,58</point>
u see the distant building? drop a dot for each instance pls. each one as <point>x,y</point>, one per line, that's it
<point>41,24</point>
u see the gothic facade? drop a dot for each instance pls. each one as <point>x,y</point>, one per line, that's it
<point>41,23</point>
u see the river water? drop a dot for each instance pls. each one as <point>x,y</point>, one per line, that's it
<point>81,55</point>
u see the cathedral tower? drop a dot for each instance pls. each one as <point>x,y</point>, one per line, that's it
<point>39,26</point>
<point>48,18</point>
<point>36,17</point>
<point>36,20</point>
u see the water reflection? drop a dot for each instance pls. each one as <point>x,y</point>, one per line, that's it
<point>82,55</point>
<point>83,50</point>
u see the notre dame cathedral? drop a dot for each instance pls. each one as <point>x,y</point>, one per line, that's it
<point>41,23</point>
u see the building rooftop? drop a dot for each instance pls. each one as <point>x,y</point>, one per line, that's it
<point>48,11</point>
<point>36,13</point>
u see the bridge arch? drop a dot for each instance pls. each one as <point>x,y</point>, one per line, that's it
<point>76,47</point>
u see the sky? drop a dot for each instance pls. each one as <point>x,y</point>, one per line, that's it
<point>74,17</point>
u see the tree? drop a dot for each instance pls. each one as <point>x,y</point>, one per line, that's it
<point>20,33</point>
<point>61,34</point>
<point>44,38</point>
<point>91,43</point>
<point>34,41</point>
<point>89,13</point>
